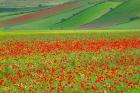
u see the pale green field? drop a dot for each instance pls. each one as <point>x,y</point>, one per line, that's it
<point>14,32</point>
<point>45,35</point>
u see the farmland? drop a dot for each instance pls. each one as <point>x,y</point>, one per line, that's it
<point>86,17</point>
<point>70,61</point>
<point>119,15</point>
<point>70,14</point>
<point>69,46</point>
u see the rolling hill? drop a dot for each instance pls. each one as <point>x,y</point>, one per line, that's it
<point>70,14</point>
<point>30,3</point>
<point>87,15</point>
<point>119,15</point>
<point>52,21</point>
<point>135,24</point>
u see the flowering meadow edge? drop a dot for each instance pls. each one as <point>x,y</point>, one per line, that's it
<point>5,32</point>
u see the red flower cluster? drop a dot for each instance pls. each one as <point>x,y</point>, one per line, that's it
<point>71,65</point>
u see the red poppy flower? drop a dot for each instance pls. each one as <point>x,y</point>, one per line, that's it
<point>39,72</point>
<point>1,81</point>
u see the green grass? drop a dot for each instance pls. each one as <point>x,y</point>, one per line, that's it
<point>6,13</point>
<point>121,14</point>
<point>21,11</point>
<point>87,15</point>
<point>51,20</point>
<point>30,3</point>
<point>9,17</point>
<point>41,35</point>
<point>113,14</point>
<point>128,25</point>
<point>5,32</point>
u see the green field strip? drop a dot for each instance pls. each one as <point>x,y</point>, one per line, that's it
<point>6,13</point>
<point>7,32</point>
<point>30,3</point>
<point>9,15</point>
<point>87,16</point>
<point>46,22</point>
<point>51,35</point>
<point>128,25</point>
<point>12,16</point>
<point>120,14</point>
<point>51,20</point>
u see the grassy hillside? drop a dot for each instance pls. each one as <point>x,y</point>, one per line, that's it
<point>7,16</point>
<point>118,15</point>
<point>89,14</point>
<point>86,15</point>
<point>128,25</point>
<point>46,22</point>
<point>72,18</point>
<point>49,21</point>
<point>39,14</point>
<point>30,3</point>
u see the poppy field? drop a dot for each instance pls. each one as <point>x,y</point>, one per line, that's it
<point>75,62</point>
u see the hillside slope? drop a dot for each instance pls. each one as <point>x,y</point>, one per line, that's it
<point>70,14</point>
<point>30,3</point>
<point>87,15</point>
<point>119,15</point>
<point>51,20</point>
<point>37,14</point>
<point>135,24</point>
